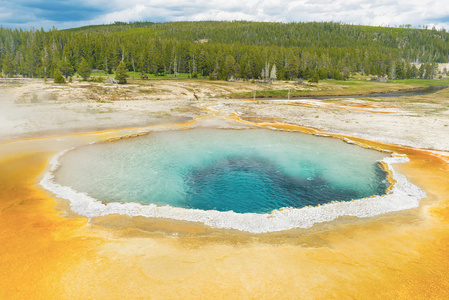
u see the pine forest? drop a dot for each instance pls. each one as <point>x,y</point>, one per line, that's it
<point>226,50</point>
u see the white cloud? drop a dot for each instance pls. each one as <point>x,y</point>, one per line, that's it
<point>381,12</point>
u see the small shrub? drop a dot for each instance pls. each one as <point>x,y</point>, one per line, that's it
<point>57,77</point>
<point>99,79</point>
<point>121,73</point>
<point>315,78</point>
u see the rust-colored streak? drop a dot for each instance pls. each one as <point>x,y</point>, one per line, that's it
<point>44,255</point>
<point>37,244</point>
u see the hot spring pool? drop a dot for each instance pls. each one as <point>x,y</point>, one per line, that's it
<point>218,176</point>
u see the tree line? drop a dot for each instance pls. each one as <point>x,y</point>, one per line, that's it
<point>225,50</point>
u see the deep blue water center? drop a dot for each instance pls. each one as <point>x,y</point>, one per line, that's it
<point>210,169</point>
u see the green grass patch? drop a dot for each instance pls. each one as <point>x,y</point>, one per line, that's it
<point>343,82</point>
<point>343,88</point>
<point>422,81</point>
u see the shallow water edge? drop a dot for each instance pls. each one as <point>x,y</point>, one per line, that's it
<point>400,196</point>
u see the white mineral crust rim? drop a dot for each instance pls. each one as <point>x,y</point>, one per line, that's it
<point>403,195</point>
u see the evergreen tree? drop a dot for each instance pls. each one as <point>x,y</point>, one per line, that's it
<point>292,67</point>
<point>8,65</point>
<point>57,77</point>
<point>120,73</point>
<point>323,73</point>
<point>421,71</point>
<point>400,71</point>
<point>230,66</point>
<point>309,73</point>
<point>208,48</point>
<point>414,72</point>
<point>66,68</point>
<point>314,78</point>
<point>222,72</point>
<point>430,71</point>
<point>337,75</point>
<point>83,69</point>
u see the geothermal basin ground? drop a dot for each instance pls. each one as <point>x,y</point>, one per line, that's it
<point>51,250</point>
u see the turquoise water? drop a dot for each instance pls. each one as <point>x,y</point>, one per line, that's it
<point>211,169</point>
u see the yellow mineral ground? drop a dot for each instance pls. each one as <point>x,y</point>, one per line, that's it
<point>47,252</point>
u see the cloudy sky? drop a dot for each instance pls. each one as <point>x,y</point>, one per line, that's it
<point>74,13</point>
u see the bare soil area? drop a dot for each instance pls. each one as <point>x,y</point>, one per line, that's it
<point>30,107</point>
